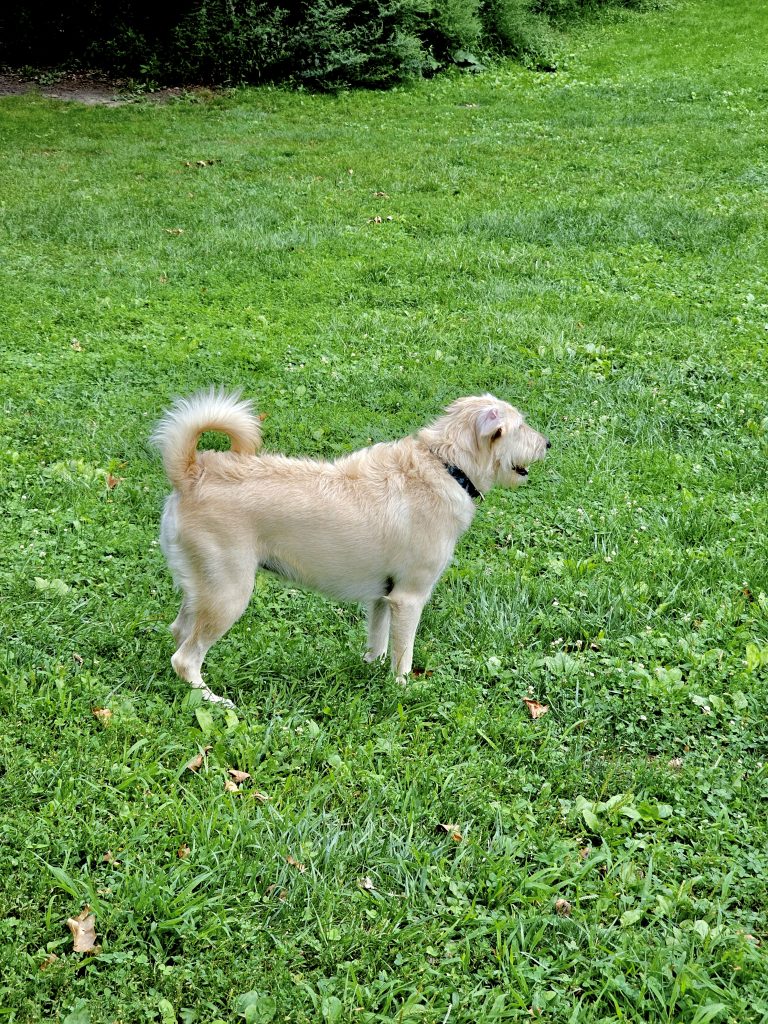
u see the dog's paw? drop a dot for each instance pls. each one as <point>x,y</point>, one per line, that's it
<point>401,680</point>
<point>214,698</point>
<point>370,656</point>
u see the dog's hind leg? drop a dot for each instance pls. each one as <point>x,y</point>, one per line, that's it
<point>216,607</point>
<point>379,616</point>
<point>182,624</point>
<point>406,612</point>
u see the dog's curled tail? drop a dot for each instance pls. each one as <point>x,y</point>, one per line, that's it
<point>178,432</point>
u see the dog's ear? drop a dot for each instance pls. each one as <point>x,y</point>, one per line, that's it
<point>489,422</point>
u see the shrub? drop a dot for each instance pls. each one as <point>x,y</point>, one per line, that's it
<point>513,29</point>
<point>319,43</point>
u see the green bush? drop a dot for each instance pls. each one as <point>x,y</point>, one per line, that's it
<point>322,44</point>
<point>513,29</point>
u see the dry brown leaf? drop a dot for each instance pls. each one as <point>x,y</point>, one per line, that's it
<point>77,657</point>
<point>381,195</point>
<point>452,830</point>
<point>110,858</point>
<point>183,851</point>
<point>675,763</point>
<point>237,775</point>
<point>263,416</point>
<point>75,344</point>
<point>536,710</point>
<point>104,715</point>
<point>367,884</point>
<point>50,959</point>
<point>563,908</point>
<point>281,894</point>
<point>301,868</point>
<point>261,797</point>
<point>230,786</point>
<point>584,852</point>
<point>196,763</point>
<point>174,231</point>
<point>113,481</point>
<point>83,928</point>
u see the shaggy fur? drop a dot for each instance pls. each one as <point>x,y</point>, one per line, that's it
<point>378,526</point>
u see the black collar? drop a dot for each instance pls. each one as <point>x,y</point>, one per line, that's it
<point>463,480</point>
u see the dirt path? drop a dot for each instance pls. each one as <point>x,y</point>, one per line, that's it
<point>91,89</point>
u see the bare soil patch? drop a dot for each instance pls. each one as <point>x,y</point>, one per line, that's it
<point>89,88</point>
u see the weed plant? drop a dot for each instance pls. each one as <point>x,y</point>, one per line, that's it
<point>589,245</point>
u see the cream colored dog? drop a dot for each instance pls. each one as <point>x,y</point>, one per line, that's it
<point>378,526</point>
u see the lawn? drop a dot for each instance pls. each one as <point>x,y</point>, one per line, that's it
<point>589,245</point>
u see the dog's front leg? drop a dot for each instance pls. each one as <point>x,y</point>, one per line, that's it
<point>406,612</point>
<point>379,615</point>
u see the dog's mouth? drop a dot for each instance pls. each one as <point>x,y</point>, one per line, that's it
<point>521,470</point>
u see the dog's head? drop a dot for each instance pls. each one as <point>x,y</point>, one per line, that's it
<point>490,440</point>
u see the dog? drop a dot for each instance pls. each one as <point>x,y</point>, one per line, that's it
<point>377,526</point>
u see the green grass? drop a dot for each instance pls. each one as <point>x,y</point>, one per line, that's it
<point>589,245</point>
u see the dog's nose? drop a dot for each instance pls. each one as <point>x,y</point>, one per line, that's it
<point>549,444</point>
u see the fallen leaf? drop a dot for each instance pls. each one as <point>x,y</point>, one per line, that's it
<point>422,672</point>
<point>367,884</point>
<point>452,830</point>
<point>261,797</point>
<point>77,657</point>
<point>381,195</point>
<point>675,763</point>
<point>104,715</point>
<point>301,868</point>
<point>174,231</point>
<point>281,894</point>
<point>113,481</point>
<point>183,851</point>
<point>536,709</point>
<point>237,775</point>
<point>83,928</point>
<point>230,786</point>
<point>263,416</point>
<point>374,220</point>
<point>584,852</point>
<point>196,763</point>
<point>563,908</point>
<point>163,279</point>
<point>50,959</point>
<point>752,938</point>
<point>75,344</point>
<point>110,858</point>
